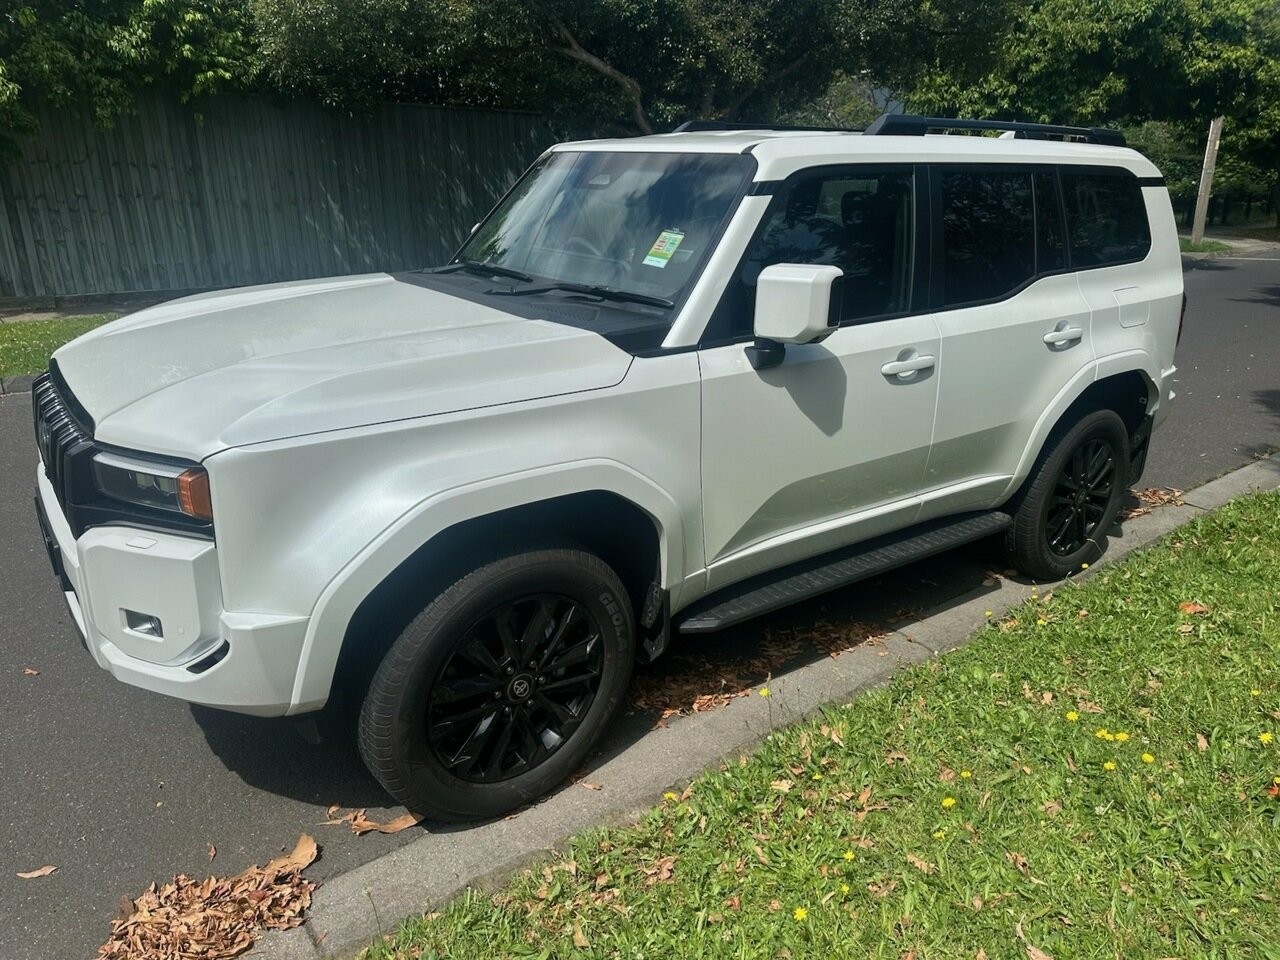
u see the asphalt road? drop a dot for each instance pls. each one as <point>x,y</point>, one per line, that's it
<point>117,787</point>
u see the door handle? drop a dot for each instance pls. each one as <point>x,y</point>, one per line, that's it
<point>904,368</point>
<point>1065,335</point>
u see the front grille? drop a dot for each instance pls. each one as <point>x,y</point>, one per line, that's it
<point>60,437</point>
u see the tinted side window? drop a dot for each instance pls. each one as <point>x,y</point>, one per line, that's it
<point>861,222</point>
<point>1106,218</point>
<point>988,233</point>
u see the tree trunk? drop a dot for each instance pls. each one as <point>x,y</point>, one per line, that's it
<point>1206,179</point>
<point>1275,200</point>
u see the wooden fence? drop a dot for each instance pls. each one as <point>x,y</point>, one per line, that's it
<point>238,191</point>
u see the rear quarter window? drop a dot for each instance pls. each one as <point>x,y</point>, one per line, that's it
<point>1106,217</point>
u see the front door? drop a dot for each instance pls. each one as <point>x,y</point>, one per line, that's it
<point>830,446</point>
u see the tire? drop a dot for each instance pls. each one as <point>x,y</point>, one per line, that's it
<point>459,722</point>
<point>1071,499</point>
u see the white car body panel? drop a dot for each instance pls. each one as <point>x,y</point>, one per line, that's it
<point>345,423</point>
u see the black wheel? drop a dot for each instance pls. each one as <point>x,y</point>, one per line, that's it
<point>1071,498</point>
<point>497,690</point>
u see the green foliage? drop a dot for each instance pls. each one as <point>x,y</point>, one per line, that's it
<point>101,52</point>
<point>633,65</point>
<point>1097,775</point>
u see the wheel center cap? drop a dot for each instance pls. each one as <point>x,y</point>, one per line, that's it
<point>520,688</point>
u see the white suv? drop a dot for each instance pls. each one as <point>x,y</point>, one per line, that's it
<point>669,383</point>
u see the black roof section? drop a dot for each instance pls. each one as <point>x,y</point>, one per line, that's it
<point>908,125</point>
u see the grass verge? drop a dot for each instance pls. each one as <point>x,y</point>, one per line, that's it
<point>1096,775</point>
<point>1204,246</point>
<point>25,346</point>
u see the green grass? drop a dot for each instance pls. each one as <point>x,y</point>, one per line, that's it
<point>837,838</point>
<point>25,346</point>
<point>1204,246</point>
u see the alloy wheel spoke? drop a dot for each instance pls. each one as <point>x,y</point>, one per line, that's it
<point>465,757</point>
<point>464,688</point>
<point>504,624</point>
<point>535,631</point>
<point>569,618</point>
<point>499,752</point>
<point>578,653</point>
<point>561,684</point>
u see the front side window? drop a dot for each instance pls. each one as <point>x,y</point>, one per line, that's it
<point>642,223</point>
<point>988,233</point>
<point>1106,217</point>
<point>861,221</point>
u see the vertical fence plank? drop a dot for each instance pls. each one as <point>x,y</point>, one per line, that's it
<point>233,191</point>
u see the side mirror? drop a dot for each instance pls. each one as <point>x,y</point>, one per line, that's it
<point>795,303</point>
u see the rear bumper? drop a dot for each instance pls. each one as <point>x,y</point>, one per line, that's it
<point>116,578</point>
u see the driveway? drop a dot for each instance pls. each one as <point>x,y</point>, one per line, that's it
<point>117,787</point>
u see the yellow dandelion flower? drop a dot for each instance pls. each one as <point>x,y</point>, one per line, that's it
<point>847,855</point>
<point>800,913</point>
<point>948,802</point>
<point>1255,693</point>
<point>1072,716</point>
<point>670,796</point>
<point>1109,765</point>
<point>1102,733</point>
<point>1276,781</point>
<point>764,691</point>
<point>988,614</point>
<point>1121,737</point>
<point>939,834</point>
<point>1148,758</point>
<point>1266,736</point>
<point>965,774</point>
<point>844,888</point>
<point>1084,566</point>
<point>816,776</point>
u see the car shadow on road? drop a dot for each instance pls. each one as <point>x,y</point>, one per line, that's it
<point>698,673</point>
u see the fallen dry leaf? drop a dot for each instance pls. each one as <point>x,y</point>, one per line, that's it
<point>591,786</point>
<point>39,872</point>
<point>30,672</point>
<point>1019,861</point>
<point>894,758</point>
<point>660,871</point>
<point>215,918</point>
<point>1191,608</point>
<point>1160,496</point>
<point>924,866</point>
<point>579,938</point>
<point>1033,952</point>
<point>782,786</point>
<point>361,824</point>
<point>213,851</point>
<point>980,955</point>
<point>946,774</point>
<point>1202,744</point>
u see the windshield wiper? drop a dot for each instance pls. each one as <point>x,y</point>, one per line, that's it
<point>485,269</point>
<point>604,293</point>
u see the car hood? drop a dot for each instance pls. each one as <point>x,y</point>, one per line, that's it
<point>194,376</point>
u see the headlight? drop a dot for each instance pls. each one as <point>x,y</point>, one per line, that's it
<point>155,485</point>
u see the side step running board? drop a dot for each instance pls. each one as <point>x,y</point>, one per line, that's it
<point>779,588</point>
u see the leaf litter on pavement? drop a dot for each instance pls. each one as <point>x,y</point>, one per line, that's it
<point>687,685</point>
<point>215,918</point>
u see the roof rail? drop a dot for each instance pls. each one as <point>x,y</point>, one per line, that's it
<point>907,125</point>
<point>705,126</point>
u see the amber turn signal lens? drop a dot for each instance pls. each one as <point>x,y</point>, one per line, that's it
<point>193,494</point>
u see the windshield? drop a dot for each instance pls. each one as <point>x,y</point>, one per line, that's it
<point>640,223</point>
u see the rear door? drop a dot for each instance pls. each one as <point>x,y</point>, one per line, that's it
<point>1013,322</point>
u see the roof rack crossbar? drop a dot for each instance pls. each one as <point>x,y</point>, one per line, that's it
<point>707,126</point>
<point>908,125</point>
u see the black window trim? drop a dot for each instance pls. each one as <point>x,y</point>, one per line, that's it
<point>937,294</point>
<point>921,253</point>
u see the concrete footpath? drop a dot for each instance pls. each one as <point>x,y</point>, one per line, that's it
<point>351,910</point>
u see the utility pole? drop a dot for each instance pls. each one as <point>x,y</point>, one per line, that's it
<point>1206,179</point>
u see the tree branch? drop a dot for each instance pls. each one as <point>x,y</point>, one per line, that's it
<point>731,112</point>
<point>575,51</point>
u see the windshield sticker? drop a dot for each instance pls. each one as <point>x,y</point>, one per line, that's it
<point>663,248</point>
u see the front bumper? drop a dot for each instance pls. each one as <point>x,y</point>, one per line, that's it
<point>117,579</point>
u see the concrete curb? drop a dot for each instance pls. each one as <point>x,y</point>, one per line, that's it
<point>10,385</point>
<point>351,910</point>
